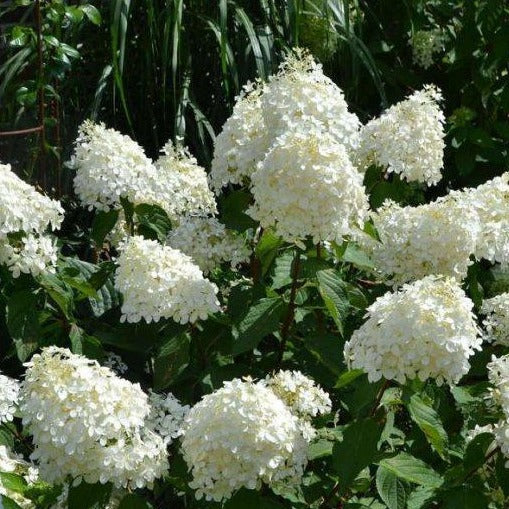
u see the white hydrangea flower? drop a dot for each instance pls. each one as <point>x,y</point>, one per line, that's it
<point>408,138</point>
<point>307,186</point>
<point>301,96</point>
<point>425,45</point>
<point>23,209</point>
<point>166,416</point>
<point>9,392</point>
<point>498,375</point>
<point>87,423</point>
<point>425,330</point>
<point>496,323</point>
<point>300,393</point>
<point>478,430</point>
<point>242,435</point>
<point>160,282</point>
<point>209,243</point>
<point>435,238</point>
<point>501,432</point>
<point>114,362</point>
<point>110,166</point>
<point>31,255</point>
<point>242,143</point>
<point>181,186</point>
<point>491,202</point>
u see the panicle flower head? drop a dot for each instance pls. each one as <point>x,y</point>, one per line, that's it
<point>425,330</point>
<point>12,463</point>
<point>435,238</point>
<point>23,209</point>
<point>161,282</point>
<point>9,392</point>
<point>242,143</point>
<point>110,166</point>
<point>408,138</point>
<point>209,243</point>
<point>496,323</point>
<point>166,416</point>
<point>301,96</point>
<point>425,45</point>
<point>301,394</point>
<point>181,186</point>
<point>242,435</point>
<point>307,186</point>
<point>87,423</point>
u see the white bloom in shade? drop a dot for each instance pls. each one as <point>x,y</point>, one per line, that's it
<point>12,463</point>
<point>9,391</point>
<point>115,363</point>
<point>242,435</point>
<point>408,138</point>
<point>166,416</point>
<point>31,255</point>
<point>501,432</point>
<point>436,238</point>
<point>498,375</point>
<point>300,393</point>
<point>425,330</point>
<point>181,186</point>
<point>242,143</point>
<point>491,202</point>
<point>478,430</point>
<point>23,209</point>
<point>496,323</point>
<point>301,96</point>
<point>160,282</point>
<point>307,186</point>
<point>110,166</point>
<point>425,45</point>
<point>209,243</point>
<point>87,423</point>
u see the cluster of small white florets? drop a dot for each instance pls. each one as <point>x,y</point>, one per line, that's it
<point>307,186</point>
<point>110,166</point>
<point>242,435</point>
<point>9,392</point>
<point>425,330</point>
<point>161,282</point>
<point>87,423</point>
<point>209,243</point>
<point>166,416</point>
<point>242,143</point>
<point>300,393</point>
<point>12,463</point>
<point>408,138</point>
<point>496,323</point>
<point>301,96</point>
<point>181,187</point>
<point>25,215</point>
<point>435,238</point>
<point>491,203</point>
<point>115,363</point>
<point>425,45</point>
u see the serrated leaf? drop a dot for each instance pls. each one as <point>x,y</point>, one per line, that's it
<point>356,451</point>
<point>12,482</point>
<point>171,360</point>
<point>333,291</point>
<point>392,490</point>
<point>476,451</point>
<point>429,422</point>
<point>261,319</point>
<point>102,224</point>
<point>356,256</point>
<point>266,249</point>
<point>419,498</point>
<point>153,222</point>
<point>348,377</point>
<point>413,470</point>
<point>464,497</point>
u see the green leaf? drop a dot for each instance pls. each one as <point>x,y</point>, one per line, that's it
<point>250,499</point>
<point>333,291</point>
<point>12,482</point>
<point>502,474</point>
<point>8,503</point>
<point>356,256</point>
<point>356,451</point>
<point>102,225</point>
<point>171,360</point>
<point>429,422</point>
<point>134,502</point>
<point>233,211</point>
<point>23,322</point>
<point>464,497</point>
<point>392,490</point>
<point>476,451</point>
<point>89,496</point>
<point>261,319</point>
<point>153,222</point>
<point>83,344</point>
<point>59,291</point>
<point>413,470</point>
<point>266,249</point>
<point>92,13</point>
<point>348,377</point>
<point>419,498</point>
<point>320,449</point>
